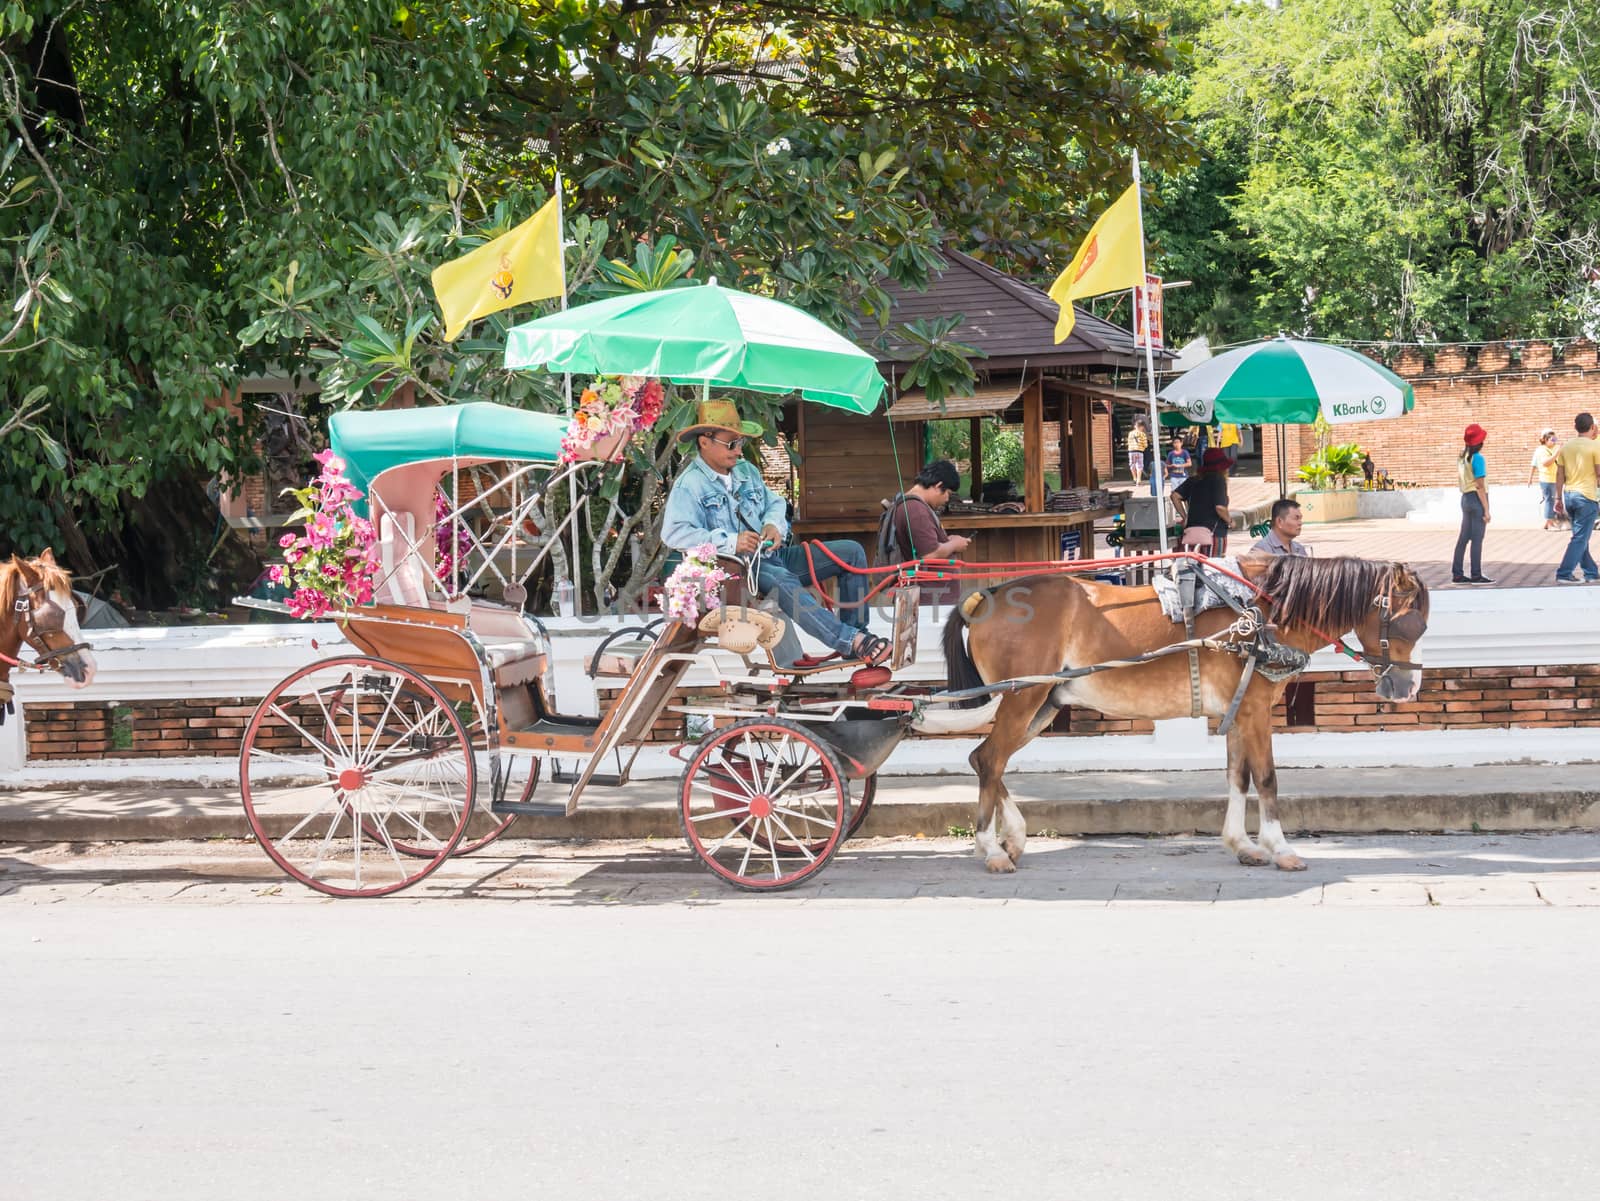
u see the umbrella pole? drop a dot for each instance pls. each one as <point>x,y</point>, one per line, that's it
<point>1282,484</point>
<point>1156,473</point>
<point>576,567</point>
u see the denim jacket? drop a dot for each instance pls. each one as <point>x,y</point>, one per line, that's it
<point>700,510</point>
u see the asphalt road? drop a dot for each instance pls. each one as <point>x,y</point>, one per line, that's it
<point>912,1034</point>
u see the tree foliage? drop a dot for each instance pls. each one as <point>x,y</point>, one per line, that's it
<point>1391,169</point>
<point>194,194</point>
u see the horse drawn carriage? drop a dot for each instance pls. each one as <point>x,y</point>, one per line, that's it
<point>362,772</point>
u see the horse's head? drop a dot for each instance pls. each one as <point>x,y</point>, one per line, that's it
<point>1390,632</point>
<point>46,617</point>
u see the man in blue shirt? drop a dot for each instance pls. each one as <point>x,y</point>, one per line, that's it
<point>720,498</point>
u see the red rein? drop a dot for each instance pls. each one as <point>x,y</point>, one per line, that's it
<point>904,574</point>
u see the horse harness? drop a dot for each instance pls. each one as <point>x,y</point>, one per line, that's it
<point>1250,637</point>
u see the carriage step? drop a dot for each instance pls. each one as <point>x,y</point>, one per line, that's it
<point>560,775</point>
<point>530,808</point>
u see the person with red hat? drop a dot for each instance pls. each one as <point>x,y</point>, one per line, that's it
<point>1471,471</point>
<point>1202,499</point>
<point>1576,498</point>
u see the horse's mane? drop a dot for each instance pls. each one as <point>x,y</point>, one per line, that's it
<point>1334,595</point>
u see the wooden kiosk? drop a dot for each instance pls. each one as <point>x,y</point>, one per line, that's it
<point>848,465</point>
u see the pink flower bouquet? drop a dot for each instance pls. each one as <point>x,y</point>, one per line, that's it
<point>330,567</point>
<point>693,587</point>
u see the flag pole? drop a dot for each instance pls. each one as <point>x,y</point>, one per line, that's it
<point>1156,474</point>
<point>576,567</point>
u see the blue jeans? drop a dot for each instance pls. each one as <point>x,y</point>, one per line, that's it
<point>1547,494</point>
<point>786,573</point>
<point>1582,510</point>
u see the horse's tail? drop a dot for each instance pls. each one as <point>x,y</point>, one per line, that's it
<point>960,670</point>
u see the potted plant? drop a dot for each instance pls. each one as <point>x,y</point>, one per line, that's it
<point>331,566</point>
<point>1326,474</point>
<point>608,414</point>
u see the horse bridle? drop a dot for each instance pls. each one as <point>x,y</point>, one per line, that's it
<point>40,618</point>
<point>1383,662</point>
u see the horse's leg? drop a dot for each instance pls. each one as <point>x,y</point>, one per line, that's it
<point>1013,826</point>
<point>1234,836</point>
<point>1010,732</point>
<point>1257,740</point>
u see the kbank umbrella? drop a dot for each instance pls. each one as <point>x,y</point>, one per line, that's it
<point>703,335</point>
<point>1283,381</point>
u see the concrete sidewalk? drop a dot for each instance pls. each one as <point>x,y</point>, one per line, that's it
<point>1354,800</point>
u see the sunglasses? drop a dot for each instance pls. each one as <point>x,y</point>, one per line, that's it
<point>731,443</point>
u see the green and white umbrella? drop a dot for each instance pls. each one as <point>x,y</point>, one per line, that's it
<point>703,335</point>
<point>1288,382</point>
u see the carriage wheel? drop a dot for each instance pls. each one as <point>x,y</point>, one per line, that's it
<point>346,759</point>
<point>764,803</point>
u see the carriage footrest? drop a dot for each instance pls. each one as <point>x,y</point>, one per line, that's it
<point>562,775</point>
<point>531,808</point>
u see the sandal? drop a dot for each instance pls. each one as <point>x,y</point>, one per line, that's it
<point>871,649</point>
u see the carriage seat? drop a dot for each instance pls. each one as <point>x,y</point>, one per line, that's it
<point>513,662</point>
<point>620,658</point>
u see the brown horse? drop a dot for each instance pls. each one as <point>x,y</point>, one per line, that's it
<point>1041,624</point>
<point>37,609</point>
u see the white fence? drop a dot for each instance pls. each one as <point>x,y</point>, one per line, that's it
<point>1468,628</point>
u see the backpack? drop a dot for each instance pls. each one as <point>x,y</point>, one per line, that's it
<point>888,550</point>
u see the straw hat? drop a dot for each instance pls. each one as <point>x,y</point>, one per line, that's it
<point>719,416</point>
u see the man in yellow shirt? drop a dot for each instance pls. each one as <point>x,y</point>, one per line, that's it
<point>1575,497</point>
<point>1228,441</point>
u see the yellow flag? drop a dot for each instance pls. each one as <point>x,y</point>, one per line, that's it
<point>1110,259</point>
<point>519,266</point>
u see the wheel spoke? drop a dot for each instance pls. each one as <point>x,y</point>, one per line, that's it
<point>799,846</point>
<point>718,845</point>
<point>302,761</point>
<point>804,817</point>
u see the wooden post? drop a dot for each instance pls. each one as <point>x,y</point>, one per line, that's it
<point>800,469</point>
<point>1033,446</point>
<point>975,438</point>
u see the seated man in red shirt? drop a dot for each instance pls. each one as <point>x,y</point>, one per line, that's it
<point>910,528</point>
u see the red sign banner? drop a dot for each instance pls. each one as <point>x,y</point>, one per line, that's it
<point>1147,313</point>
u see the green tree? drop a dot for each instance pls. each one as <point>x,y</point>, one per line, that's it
<point>1409,168</point>
<point>197,194</point>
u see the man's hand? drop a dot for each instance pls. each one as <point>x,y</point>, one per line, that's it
<point>769,534</point>
<point>958,543</point>
<point>747,543</point>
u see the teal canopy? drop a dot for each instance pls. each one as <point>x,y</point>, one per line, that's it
<point>703,335</point>
<point>374,441</point>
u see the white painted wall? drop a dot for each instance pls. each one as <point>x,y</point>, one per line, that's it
<point>1468,628</point>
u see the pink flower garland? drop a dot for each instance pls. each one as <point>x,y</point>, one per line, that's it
<point>331,566</point>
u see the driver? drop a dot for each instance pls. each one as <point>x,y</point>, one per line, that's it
<point>721,499</point>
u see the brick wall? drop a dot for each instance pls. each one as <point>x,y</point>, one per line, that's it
<point>136,729</point>
<point>1458,698</point>
<point>1513,391</point>
<point>1462,698</point>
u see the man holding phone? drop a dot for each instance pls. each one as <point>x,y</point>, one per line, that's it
<point>720,499</point>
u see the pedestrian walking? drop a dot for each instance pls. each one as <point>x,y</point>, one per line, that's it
<point>1575,499</point>
<point>1471,471</point>
<point>1543,465</point>
<point>1138,444</point>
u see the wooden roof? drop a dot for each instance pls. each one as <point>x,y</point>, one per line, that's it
<point>1013,322</point>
